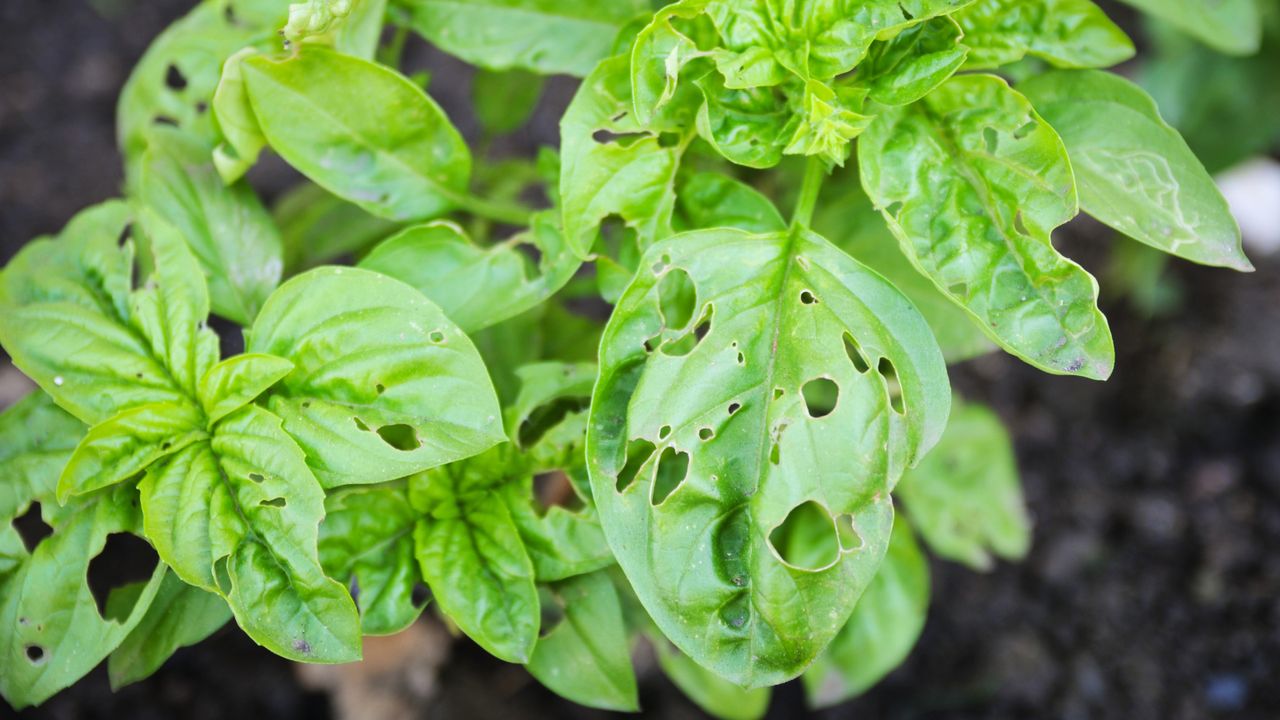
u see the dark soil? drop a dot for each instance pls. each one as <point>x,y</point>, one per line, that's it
<point>1153,589</point>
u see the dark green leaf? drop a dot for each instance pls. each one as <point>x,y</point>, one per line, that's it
<point>179,616</point>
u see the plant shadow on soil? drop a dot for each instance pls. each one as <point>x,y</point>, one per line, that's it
<point>1152,590</point>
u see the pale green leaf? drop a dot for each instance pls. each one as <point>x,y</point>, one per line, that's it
<point>1135,173</point>
<point>119,448</point>
<point>242,139</point>
<point>964,498</point>
<point>38,438</point>
<point>708,434</point>
<point>707,200</point>
<point>912,64</point>
<point>884,627</point>
<point>585,657</point>
<point>1229,26</point>
<point>360,130</point>
<point>972,182</point>
<point>179,616</point>
<point>1065,33</point>
<point>383,386</point>
<point>238,381</point>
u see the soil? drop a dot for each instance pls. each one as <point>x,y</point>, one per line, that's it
<point>1152,591</point>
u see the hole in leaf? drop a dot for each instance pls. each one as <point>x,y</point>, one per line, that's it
<point>174,79</point>
<point>605,137</point>
<point>124,559</point>
<point>807,538</point>
<point>31,527</point>
<point>742,359</point>
<point>847,534</point>
<point>991,139</point>
<point>734,408</point>
<point>663,432</point>
<point>221,576</point>
<point>677,297</point>
<point>545,417</point>
<point>686,343</point>
<point>820,396</point>
<point>778,393</point>
<point>278,502</point>
<point>854,351</point>
<point>400,436</point>
<point>807,298</point>
<point>775,453</point>
<point>164,120</point>
<point>360,424</point>
<point>126,232</point>
<point>379,388</point>
<point>894,209</point>
<point>555,489</point>
<point>1019,224</point>
<point>202,107</point>
<point>35,654</point>
<point>638,452</point>
<point>421,595</point>
<point>890,375</point>
<point>959,290</point>
<point>673,467</point>
<point>706,433</point>
<point>436,336</point>
<point>1025,130</point>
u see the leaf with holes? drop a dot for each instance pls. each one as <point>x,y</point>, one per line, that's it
<point>1135,173</point>
<point>360,130</point>
<point>227,227</point>
<point>383,386</point>
<point>238,515</point>
<point>965,498</point>
<point>366,542</point>
<point>884,627</point>
<point>1064,33</point>
<point>585,657</point>
<point>471,555</point>
<point>179,616</point>
<point>1229,26</point>
<point>174,82</point>
<point>39,438</point>
<point>52,631</point>
<point>118,449</point>
<point>561,37</point>
<point>478,286</point>
<point>749,384</point>
<point>972,182</point>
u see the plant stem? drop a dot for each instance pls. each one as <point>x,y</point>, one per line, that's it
<point>815,173</point>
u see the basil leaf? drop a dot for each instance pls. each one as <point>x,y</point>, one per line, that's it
<point>913,63</point>
<point>1135,173</point>
<point>964,498</point>
<point>1065,33</point>
<point>238,381</point>
<point>715,695</point>
<point>174,82</point>
<point>66,322</point>
<point>318,227</point>
<point>472,558</point>
<point>585,657</point>
<point>1233,27</point>
<point>604,176</point>
<point>180,615</point>
<point>560,542</point>
<point>238,515</point>
<point>476,286</point>
<point>706,200</point>
<point>383,386</point>
<point>978,223</point>
<point>226,227</point>
<point>806,385</point>
<point>242,139</point>
<point>117,449</point>
<point>543,388</point>
<point>561,37</point>
<point>360,31</point>
<point>366,542</point>
<point>360,130</point>
<point>884,627</point>
<point>38,440</point>
<point>51,632</point>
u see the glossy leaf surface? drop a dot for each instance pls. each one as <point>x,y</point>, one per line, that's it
<point>180,615</point>
<point>1064,33</point>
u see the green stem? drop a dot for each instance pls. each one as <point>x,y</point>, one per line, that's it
<point>815,173</point>
<point>391,53</point>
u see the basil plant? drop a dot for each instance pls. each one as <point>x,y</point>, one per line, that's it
<point>612,394</point>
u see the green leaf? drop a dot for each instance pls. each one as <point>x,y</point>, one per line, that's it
<point>238,381</point>
<point>542,385</point>
<point>226,227</point>
<point>238,515</point>
<point>585,657</point>
<point>318,227</point>
<point>360,130</point>
<point>1065,33</point>
<point>175,80</point>
<point>117,449</point>
<point>964,498</point>
<point>978,221</point>
<point>38,440</point>
<point>707,199</point>
<point>366,542</point>
<point>383,386</point>
<point>847,217</point>
<point>709,439</point>
<point>361,31</point>
<point>884,627</point>
<point>51,633</point>
<point>1229,26</point>
<point>559,37</point>
<point>560,542</point>
<point>180,615</point>
<point>472,558</point>
<point>604,176</point>
<point>242,139</point>
<point>1135,173</point>
<point>715,695</point>
<point>912,64</point>
<point>478,286</point>
<point>66,322</point>
<point>504,101</point>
